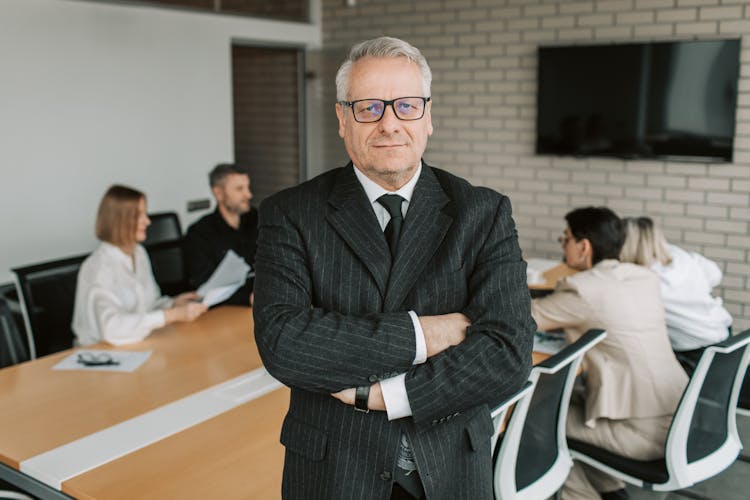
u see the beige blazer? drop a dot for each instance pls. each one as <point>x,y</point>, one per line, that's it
<point>633,372</point>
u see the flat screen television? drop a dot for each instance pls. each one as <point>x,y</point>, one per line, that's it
<point>666,100</point>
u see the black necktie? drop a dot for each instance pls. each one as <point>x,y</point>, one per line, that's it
<point>392,203</point>
<point>406,472</point>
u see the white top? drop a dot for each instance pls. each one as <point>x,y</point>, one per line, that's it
<point>694,317</point>
<point>117,298</point>
<point>394,389</point>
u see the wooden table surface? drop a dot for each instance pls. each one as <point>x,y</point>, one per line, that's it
<point>235,454</point>
<point>552,275</point>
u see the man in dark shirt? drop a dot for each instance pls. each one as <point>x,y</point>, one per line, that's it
<point>233,225</point>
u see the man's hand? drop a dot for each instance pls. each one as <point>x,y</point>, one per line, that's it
<point>374,402</point>
<point>441,332</point>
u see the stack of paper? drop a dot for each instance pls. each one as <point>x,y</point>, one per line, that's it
<point>535,269</point>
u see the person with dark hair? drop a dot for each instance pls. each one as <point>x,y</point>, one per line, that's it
<point>117,298</point>
<point>391,298</point>
<point>633,381</point>
<point>232,226</point>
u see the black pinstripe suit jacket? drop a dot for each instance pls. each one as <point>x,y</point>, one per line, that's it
<point>331,312</point>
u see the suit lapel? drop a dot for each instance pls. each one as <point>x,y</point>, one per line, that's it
<point>354,220</point>
<point>425,226</point>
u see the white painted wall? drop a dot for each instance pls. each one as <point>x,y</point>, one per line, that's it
<point>92,94</point>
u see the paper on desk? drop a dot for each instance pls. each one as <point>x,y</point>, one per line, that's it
<point>231,273</point>
<point>129,361</point>
<point>535,269</point>
<point>549,342</point>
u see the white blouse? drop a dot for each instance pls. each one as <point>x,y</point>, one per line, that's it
<point>117,299</point>
<point>694,317</point>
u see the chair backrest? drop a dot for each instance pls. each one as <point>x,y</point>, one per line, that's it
<point>168,266</point>
<point>165,226</point>
<point>12,346</point>
<point>532,459</point>
<point>703,438</point>
<point>743,403</point>
<point>47,296</point>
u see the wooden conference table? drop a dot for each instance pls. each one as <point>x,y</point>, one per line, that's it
<point>50,418</point>
<point>552,275</point>
<point>199,419</point>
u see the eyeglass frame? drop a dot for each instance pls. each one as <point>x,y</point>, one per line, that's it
<point>87,358</point>
<point>564,239</point>
<point>386,103</point>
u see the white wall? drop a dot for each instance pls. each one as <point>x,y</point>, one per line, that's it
<point>92,94</point>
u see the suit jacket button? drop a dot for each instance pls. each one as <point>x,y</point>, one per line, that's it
<point>373,378</point>
<point>385,476</point>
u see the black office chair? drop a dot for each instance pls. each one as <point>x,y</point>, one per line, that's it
<point>47,295</point>
<point>168,266</point>
<point>12,345</point>
<point>702,439</point>
<point>531,459</point>
<point>164,246</point>
<point>165,226</point>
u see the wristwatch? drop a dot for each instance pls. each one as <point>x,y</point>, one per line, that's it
<point>361,395</point>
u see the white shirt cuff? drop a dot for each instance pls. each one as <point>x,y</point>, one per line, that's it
<point>395,398</point>
<point>421,354</point>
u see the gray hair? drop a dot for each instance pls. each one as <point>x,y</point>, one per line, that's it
<point>220,172</point>
<point>384,46</point>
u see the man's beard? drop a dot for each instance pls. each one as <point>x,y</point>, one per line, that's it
<point>239,208</point>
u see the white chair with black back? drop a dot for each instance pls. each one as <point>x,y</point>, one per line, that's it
<point>531,459</point>
<point>13,495</point>
<point>743,408</point>
<point>46,294</point>
<point>702,439</point>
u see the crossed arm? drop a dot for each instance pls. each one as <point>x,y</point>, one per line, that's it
<point>326,351</point>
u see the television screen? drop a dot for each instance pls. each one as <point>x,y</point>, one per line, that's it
<point>669,100</point>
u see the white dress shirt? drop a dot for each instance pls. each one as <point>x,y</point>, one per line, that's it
<point>394,389</point>
<point>117,298</point>
<point>694,317</point>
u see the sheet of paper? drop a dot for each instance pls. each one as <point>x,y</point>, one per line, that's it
<point>548,342</point>
<point>232,271</point>
<point>128,361</point>
<point>218,295</point>
<point>535,269</point>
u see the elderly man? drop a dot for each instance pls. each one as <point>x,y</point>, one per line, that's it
<point>391,297</point>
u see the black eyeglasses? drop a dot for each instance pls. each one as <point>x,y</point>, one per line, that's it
<point>96,359</point>
<point>564,239</point>
<point>372,110</point>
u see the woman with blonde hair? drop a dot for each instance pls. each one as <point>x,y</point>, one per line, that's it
<point>694,317</point>
<point>117,298</point>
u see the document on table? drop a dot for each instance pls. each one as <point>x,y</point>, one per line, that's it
<point>535,269</point>
<point>231,273</point>
<point>549,342</point>
<point>100,360</point>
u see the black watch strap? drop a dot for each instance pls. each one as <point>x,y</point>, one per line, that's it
<point>361,395</point>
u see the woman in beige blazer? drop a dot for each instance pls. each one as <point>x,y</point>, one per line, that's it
<point>633,381</point>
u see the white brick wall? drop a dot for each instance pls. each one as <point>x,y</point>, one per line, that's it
<point>483,55</point>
